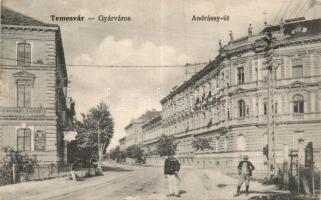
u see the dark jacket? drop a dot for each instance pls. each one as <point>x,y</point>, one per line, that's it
<point>171,166</point>
<point>250,166</point>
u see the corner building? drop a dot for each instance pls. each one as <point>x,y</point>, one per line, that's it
<point>227,101</point>
<point>34,107</point>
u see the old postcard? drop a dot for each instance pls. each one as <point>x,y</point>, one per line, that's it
<point>160,99</point>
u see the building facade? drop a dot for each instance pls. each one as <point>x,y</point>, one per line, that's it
<point>134,130</point>
<point>152,130</point>
<point>122,144</point>
<point>34,107</point>
<point>227,102</point>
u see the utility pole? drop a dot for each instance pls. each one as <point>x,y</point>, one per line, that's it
<point>271,110</point>
<point>99,151</point>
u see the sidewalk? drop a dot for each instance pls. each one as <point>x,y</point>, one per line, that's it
<point>55,187</point>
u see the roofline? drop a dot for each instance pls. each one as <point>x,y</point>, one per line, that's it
<point>152,121</point>
<point>218,59</point>
<point>54,27</point>
<point>60,45</point>
<point>3,8</point>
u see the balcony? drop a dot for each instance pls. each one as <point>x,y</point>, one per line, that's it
<point>21,112</point>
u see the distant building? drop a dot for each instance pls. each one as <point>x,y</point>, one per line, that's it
<point>35,109</point>
<point>152,130</point>
<point>122,144</point>
<point>134,131</point>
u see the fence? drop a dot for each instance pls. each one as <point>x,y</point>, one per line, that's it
<point>47,171</point>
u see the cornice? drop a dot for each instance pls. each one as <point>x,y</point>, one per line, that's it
<point>31,28</point>
<point>258,46</point>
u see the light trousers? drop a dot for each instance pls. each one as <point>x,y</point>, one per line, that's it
<point>172,184</point>
<point>244,178</point>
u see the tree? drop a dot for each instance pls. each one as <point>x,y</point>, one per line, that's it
<point>117,154</point>
<point>97,121</point>
<point>166,145</point>
<point>24,165</point>
<point>201,143</point>
<point>135,152</point>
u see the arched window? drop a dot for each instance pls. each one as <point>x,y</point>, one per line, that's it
<point>240,75</point>
<point>240,143</point>
<point>241,104</point>
<point>265,106</point>
<point>24,139</point>
<point>298,103</point>
<point>197,101</point>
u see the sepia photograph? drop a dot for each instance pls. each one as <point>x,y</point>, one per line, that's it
<point>160,100</point>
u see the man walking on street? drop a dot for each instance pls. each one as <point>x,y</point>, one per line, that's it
<point>245,169</point>
<point>171,169</point>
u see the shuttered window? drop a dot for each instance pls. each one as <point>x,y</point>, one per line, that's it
<point>241,104</point>
<point>24,93</point>
<point>23,54</point>
<point>24,139</point>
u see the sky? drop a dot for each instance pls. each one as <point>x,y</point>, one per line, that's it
<point>161,32</point>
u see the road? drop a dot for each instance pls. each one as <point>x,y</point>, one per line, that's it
<point>124,182</point>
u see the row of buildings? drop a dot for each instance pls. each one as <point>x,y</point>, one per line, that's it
<point>227,101</point>
<point>35,110</point>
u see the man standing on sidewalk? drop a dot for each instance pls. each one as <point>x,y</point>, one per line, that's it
<point>245,169</point>
<point>171,169</point>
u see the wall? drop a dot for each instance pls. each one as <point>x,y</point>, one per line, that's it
<point>42,114</point>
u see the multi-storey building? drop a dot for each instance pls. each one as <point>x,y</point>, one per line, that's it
<point>228,101</point>
<point>122,144</point>
<point>152,130</point>
<point>134,130</point>
<point>34,108</point>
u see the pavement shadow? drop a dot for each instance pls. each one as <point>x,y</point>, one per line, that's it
<point>261,192</point>
<point>278,197</point>
<point>114,169</point>
<point>182,192</point>
<point>221,185</point>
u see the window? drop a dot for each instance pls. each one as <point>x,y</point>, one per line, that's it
<point>298,104</point>
<point>297,71</point>
<point>240,75</point>
<point>240,143</point>
<point>225,144</point>
<point>228,114</point>
<point>23,54</point>
<point>216,144</point>
<point>24,93</point>
<point>24,139</point>
<point>265,106</point>
<point>241,105</point>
